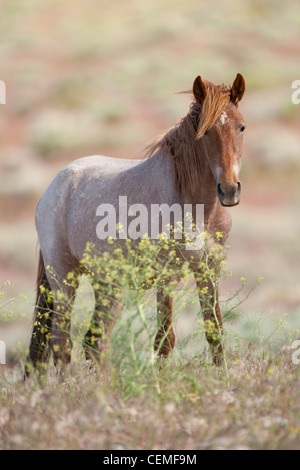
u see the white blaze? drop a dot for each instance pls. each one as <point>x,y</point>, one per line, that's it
<point>223,118</point>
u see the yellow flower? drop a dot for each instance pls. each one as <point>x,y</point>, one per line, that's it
<point>296,430</point>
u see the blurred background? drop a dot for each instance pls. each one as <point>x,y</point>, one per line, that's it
<point>100,77</point>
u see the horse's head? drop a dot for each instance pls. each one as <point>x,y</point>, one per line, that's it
<point>221,130</point>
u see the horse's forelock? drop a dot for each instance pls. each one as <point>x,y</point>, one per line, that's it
<point>214,105</point>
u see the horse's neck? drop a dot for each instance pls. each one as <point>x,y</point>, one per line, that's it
<point>204,191</point>
<point>156,173</point>
<point>161,167</point>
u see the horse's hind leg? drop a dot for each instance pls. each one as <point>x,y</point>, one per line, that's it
<point>62,295</point>
<point>96,340</point>
<point>39,350</point>
<point>60,338</point>
<point>60,335</point>
<point>165,337</point>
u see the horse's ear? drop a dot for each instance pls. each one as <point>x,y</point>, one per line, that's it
<point>238,89</point>
<point>199,90</point>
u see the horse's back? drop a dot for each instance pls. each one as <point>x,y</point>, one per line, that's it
<point>71,200</point>
<point>100,163</point>
<point>96,167</point>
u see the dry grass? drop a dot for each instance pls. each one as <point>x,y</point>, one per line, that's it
<point>195,410</point>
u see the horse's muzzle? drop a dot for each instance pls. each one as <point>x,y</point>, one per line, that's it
<point>229,195</point>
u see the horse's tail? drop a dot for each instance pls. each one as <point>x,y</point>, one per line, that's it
<point>42,319</point>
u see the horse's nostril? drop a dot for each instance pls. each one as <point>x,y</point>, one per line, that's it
<point>219,189</point>
<point>229,189</point>
<point>229,194</point>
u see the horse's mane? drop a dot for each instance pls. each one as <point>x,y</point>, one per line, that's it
<point>182,141</point>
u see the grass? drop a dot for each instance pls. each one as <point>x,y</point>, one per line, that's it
<point>195,409</point>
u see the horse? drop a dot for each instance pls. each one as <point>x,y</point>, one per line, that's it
<point>197,161</point>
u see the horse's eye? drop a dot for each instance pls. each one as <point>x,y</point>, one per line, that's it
<point>242,128</point>
<point>206,133</point>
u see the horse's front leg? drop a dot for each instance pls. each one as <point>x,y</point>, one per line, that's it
<point>209,300</point>
<point>165,337</point>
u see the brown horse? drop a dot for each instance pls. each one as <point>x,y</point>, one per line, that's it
<point>196,162</point>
